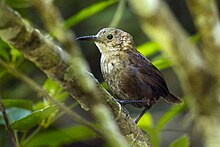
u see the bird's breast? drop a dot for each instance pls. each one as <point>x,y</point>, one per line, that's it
<point>108,66</point>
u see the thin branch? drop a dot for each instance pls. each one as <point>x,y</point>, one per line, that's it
<point>31,136</point>
<point>5,117</point>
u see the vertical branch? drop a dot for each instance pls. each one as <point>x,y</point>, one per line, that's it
<point>5,117</point>
<point>206,19</point>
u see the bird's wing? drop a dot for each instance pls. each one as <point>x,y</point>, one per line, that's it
<point>149,74</point>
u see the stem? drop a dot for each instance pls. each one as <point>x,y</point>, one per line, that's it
<point>31,136</point>
<point>9,129</point>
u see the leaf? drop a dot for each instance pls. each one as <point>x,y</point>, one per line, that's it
<point>15,114</point>
<point>62,136</point>
<point>162,62</point>
<point>182,141</point>
<point>55,90</point>
<point>34,118</point>
<point>19,3</point>
<point>4,50</point>
<point>195,38</point>
<point>146,121</point>
<point>168,116</point>
<point>16,56</point>
<point>87,12</point>
<point>26,104</point>
<point>149,48</point>
<point>105,85</point>
<point>3,72</point>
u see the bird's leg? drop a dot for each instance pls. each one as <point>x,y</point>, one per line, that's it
<point>123,106</point>
<point>125,102</point>
<point>141,114</point>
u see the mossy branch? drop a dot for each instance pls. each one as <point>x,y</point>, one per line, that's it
<point>51,59</point>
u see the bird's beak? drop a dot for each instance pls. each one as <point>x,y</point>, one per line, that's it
<point>88,38</point>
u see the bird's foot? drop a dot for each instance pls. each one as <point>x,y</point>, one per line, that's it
<point>122,105</point>
<point>126,110</point>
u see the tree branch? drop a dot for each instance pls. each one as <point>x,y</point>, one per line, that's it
<point>206,19</point>
<point>56,64</point>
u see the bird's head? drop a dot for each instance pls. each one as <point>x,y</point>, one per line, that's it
<point>111,40</point>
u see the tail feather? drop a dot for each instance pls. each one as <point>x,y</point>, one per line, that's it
<point>171,98</point>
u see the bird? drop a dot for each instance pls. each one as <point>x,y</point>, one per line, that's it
<point>130,76</point>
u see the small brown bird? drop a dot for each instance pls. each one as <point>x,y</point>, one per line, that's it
<point>129,75</point>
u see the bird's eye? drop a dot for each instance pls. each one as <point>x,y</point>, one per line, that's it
<point>110,36</point>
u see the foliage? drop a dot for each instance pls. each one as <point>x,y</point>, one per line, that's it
<point>183,141</point>
<point>154,131</point>
<point>34,119</point>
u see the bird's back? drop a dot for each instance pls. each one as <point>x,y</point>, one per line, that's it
<point>130,75</point>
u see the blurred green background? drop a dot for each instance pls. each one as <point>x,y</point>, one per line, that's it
<point>165,124</point>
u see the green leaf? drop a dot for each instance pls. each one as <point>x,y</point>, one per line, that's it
<point>16,56</point>
<point>4,50</point>
<point>14,114</point>
<point>55,90</point>
<point>26,104</point>
<point>146,121</point>
<point>3,72</point>
<point>162,62</point>
<point>168,116</point>
<point>182,141</point>
<point>60,137</point>
<point>19,3</point>
<point>195,38</point>
<point>149,48</point>
<point>87,12</point>
<point>34,118</point>
<point>105,85</point>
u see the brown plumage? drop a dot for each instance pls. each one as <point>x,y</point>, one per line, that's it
<point>129,75</point>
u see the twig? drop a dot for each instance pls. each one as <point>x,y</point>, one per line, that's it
<point>31,136</point>
<point>5,117</point>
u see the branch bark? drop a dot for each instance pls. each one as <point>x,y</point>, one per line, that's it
<point>206,19</point>
<point>198,68</point>
<point>56,63</point>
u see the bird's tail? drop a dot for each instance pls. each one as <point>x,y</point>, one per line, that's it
<point>171,98</point>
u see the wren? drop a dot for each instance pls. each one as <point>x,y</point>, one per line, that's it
<point>130,76</point>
